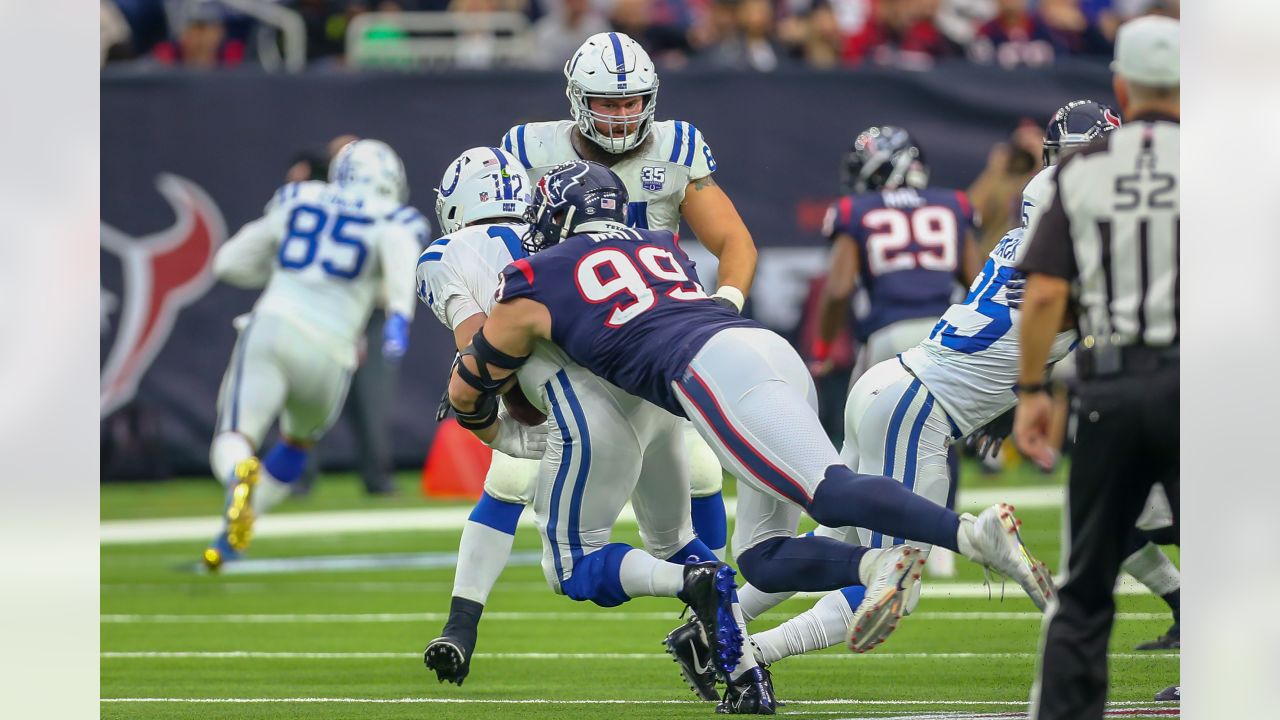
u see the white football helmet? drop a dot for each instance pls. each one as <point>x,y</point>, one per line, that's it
<point>484,182</point>
<point>370,167</point>
<point>611,65</point>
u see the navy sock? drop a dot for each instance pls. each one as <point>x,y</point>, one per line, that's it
<point>709,520</point>
<point>883,505</point>
<point>806,563</point>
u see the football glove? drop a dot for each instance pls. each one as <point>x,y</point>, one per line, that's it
<point>518,440</point>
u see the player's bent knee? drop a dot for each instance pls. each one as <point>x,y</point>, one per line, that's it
<point>511,479</point>
<point>664,545</point>
<point>758,567</point>
<point>596,577</point>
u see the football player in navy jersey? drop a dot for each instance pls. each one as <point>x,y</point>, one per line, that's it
<point>623,303</point>
<point>907,246</point>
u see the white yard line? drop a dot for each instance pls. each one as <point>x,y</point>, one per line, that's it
<point>837,657</point>
<point>608,616</point>
<point>548,701</point>
<point>451,518</point>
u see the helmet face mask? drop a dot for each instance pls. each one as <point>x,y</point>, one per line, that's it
<point>569,196</point>
<point>611,66</point>
<point>883,158</point>
<point>482,183</point>
<point>1075,125</point>
<point>370,168</point>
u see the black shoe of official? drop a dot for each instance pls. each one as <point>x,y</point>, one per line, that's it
<point>450,654</point>
<point>708,591</point>
<point>750,694</point>
<point>688,647</point>
<point>1171,640</point>
<point>1173,693</point>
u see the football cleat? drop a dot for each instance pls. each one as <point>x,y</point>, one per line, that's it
<point>218,553</point>
<point>750,694</point>
<point>239,512</point>
<point>1173,693</point>
<point>897,571</point>
<point>998,546</point>
<point>708,591</point>
<point>449,658</point>
<point>1170,640</point>
<point>688,647</point>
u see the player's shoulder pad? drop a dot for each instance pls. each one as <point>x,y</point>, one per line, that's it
<point>538,144</point>
<point>681,143</point>
<point>1011,248</point>
<point>295,192</point>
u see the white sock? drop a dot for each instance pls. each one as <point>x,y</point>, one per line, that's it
<point>866,566</point>
<point>268,493</point>
<point>942,563</point>
<point>756,602</point>
<point>643,575</point>
<point>964,537</point>
<point>228,449</point>
<point>482,554</point>
<point>1151,567</point>
<point>823,626</point>
<point>748,660</point>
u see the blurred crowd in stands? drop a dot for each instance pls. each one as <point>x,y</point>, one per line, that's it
<point>760,35</point>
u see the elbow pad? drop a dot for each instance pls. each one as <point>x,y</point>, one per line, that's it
<point>484,354</point>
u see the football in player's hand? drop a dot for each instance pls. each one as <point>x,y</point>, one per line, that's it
<point>520,408</point>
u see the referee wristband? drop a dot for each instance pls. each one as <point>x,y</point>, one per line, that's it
<point>1030,388</point>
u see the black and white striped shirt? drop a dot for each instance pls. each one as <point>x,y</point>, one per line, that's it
<point>1112,228</point>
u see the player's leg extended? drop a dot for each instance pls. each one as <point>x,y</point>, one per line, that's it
<point>483,552</point>
<point>1148,564</point>
<point>706,497</point>
<point>666,527</point>
<point>750,395</point>
<point>249,401</point>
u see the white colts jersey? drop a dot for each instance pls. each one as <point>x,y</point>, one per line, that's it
<point>1036,198</point>
<point>458,278</point>
<point>970,360</point>
<point>674,155</point>
<point>326,256</point>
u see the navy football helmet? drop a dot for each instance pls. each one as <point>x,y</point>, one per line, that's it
<point>883,157</point>
<point>1075,125</point>
<point>570,195</point>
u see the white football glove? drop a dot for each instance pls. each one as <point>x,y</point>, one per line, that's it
<point>519,440</point>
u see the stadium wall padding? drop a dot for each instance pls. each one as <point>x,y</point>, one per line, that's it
<point>777,140</point>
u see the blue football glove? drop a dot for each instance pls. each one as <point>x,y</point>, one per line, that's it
<point>395,337</point>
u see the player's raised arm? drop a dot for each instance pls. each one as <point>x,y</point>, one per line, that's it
<point>397,253</point>
<point>715,220</point>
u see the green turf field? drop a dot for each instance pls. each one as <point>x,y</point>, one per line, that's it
<point>347,644</point>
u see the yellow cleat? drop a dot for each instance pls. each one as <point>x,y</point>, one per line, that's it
<point>240,508</point>
<point>212,558</point>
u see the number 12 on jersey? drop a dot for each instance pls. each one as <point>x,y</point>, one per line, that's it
<point>604,274</point>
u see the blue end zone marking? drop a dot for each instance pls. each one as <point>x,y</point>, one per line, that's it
<point>618,60</point>
<point>553,521</point>
<point>675,150</point>
<point>584,467</point>
<point>688,152</point>
<point>524,158</point>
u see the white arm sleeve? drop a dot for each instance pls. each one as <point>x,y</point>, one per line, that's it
<point>398,251</point>
<point>246,260</point>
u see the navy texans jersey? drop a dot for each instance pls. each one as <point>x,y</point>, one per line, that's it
<point>625,304</point>
<point>910,243</point>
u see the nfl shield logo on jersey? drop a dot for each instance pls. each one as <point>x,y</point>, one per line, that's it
<point>652,178</point>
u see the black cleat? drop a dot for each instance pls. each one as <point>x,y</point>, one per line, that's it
<point>750,694</point>
<point>687,645</point>
<point>450,654</point>
<point>449,659</point>
<point>708,591</point>
<point>1171,640</point>
<point>1173,693</point>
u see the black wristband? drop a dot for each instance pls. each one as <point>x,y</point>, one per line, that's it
<point>1029,388</point>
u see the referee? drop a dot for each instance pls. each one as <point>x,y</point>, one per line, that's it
<point>1108,248</point>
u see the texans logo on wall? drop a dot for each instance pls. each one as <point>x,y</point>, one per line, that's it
<point>148,280</point>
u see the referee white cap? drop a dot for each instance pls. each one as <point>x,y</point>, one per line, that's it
<point>1147,51</point>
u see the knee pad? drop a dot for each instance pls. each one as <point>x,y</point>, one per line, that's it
<point>705,475</point>
<point>511,479</point>
<point>596,577</point>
